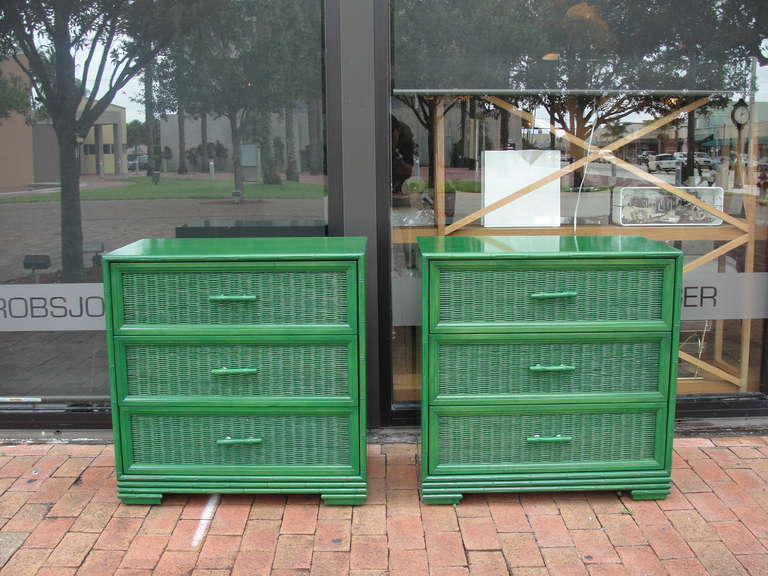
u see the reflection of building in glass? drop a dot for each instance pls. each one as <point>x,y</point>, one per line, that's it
<point>219,138</point>
<point>15,142</point>
<point>716,133</point>
<point>103,151</point>
<point>29,153</point>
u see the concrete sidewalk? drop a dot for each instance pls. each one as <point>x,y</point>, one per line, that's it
<point>59,516</point>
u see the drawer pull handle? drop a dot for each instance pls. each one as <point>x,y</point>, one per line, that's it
<point>229,441</point>
<point>233,371</point>
<point>225,298</point>
<point>550,295</point>
<point>549,439</point>
<point>560,368</point>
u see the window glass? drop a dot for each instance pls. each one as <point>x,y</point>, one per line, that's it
<point>590,118</point>
<point>221,133</point>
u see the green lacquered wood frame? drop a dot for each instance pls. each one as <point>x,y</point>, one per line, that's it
<point>541,247</point>
<point>662,324</point>
<point>674,350</point>
<point>641,484</point>
<point>435,468</point>
<point>121,329</point>
<point>131,467</point>
<point>576,397</point>
<point>239,249</point>
<point>334,490</point>
<point>353,371</point>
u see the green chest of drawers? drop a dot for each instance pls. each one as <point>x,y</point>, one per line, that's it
<point>237,365</point>
<point>548,364</point>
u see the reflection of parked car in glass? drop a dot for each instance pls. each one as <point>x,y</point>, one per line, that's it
<point>659,162</point>
<point>137,162</point>
<point>702,159</point>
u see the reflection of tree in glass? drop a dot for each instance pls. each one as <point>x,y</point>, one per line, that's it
<point>120,36</point>
<point>136,133</point>
<point>171,93</point>
<point>246,62</point>
<point>14,96</point>
<point>587,63</point>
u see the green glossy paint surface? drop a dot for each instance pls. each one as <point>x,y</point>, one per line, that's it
<point>549,363</point>
<point>528,247</point>
<point>238,366</point>
<point>247,249</point>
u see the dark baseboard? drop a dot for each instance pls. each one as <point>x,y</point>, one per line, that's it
<point>720,406</point>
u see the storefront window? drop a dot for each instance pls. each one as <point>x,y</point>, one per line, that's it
<point>233,145</point>
<point>590,118</point>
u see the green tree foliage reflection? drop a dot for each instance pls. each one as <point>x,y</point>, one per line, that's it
<point>73,45</point>
<point>14,95</point>
<point>588,63</point>
<point>249,62</point>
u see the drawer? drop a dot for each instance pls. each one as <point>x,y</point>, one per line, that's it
<point>551,295</point>
<point>535,438</point>
<point>256,369</point>
<point>227,441</point>
<point>547,368</point>
<point>275,297</point>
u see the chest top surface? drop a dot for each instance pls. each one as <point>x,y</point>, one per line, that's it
<point>233,249</point>
<point>543,247</point>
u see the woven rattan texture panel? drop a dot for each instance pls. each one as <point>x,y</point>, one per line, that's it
<point>184,370</point>
<point>288,440</point>
<point>503,368</point>
<point>501,438</point>
<point>603,295</point>
<point>309,297</point>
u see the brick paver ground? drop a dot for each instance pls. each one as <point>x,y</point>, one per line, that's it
<point>59,516</point>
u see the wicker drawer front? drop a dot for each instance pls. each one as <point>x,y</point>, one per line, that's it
<point>316,296</point>
<point>299,367</point>
<point>537,438</point>
<point>234,442</point>
<point>564,295</point>
<point>492,368</point>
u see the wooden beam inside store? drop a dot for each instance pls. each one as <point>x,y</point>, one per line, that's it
<point>714,254</point>
<point>709,369</point>
<point>725,232</point>
<point>750,213</point>
<point>439,139</point>
<point>701,386</point>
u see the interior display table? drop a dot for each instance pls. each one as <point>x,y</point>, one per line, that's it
<point>548,363</point>
<point>237,365</point>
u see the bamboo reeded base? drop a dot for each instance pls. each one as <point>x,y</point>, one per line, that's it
<point>450,489</point>
<point>343,492</point>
